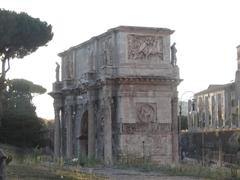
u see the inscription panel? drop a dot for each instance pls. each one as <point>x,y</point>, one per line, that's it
<point>139,128</point>
<point>145,47</point>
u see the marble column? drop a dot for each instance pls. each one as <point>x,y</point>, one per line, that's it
<point>213,108</point>
<point>206,112</point>
<point>68,116</point>
<point>57,138</point>
<point>108,131</point>
<point>63,132</point>
<point>91,126</point>
<point>74,131</point>
<point>175,131</point>
<point>190,124</point>
<point>78,116</point>
<point>237,86</point>
<point>238,111</point>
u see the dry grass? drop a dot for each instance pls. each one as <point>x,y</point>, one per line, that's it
<point>29,165</point>
<point>37,172</point>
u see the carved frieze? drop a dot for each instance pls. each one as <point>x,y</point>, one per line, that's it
<point>139,128</point>
<point>146,112</point>
<point>145,47</point>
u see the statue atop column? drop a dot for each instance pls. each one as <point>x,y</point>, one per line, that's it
<point>173,54</point>
<point>57,72</point>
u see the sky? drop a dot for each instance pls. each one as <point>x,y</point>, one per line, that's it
<point>207,33</point>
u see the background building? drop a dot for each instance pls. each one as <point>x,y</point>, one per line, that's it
<point>217,106</point>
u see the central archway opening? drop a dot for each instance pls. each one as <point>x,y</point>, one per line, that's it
<point>84,135</point>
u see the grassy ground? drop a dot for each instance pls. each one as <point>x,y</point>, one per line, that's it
<point>187,170</point>
<point>28,164</point>
<point>37,172</point>
<point>32,166</point>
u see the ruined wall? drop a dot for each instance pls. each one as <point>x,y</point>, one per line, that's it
<point>217,108</point>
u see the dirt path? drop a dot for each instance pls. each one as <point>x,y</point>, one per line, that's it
<point>119,174</point>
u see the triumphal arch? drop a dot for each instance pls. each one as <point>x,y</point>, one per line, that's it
<point>117,96</point>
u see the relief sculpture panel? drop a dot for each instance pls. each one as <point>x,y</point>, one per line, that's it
<point>107,51</point>
<point>146,121</point>
<point>146,112</point>
<point>91,58</point>
<point>145,47</point>
<point>68,66</point>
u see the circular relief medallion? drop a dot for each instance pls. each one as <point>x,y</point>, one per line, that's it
<point>145,113</point>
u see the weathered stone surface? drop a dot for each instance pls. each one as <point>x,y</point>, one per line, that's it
<point>121,85</point>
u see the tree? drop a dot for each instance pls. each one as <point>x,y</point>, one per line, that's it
<point>20,124</point>
<point>20,35</point>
